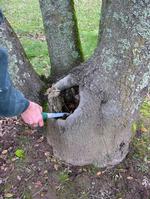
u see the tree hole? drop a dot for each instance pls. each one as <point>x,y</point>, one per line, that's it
<point>70,99</point>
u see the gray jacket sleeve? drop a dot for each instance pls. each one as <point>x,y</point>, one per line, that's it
<point>12,101</point>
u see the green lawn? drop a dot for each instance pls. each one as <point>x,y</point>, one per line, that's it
<point>88,14</point>
<point>25,18</point>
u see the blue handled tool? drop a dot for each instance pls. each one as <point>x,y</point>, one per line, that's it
<point>54,115</point>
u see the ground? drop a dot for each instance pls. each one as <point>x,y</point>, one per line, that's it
<point>37,174</point>
<point>28,169</point>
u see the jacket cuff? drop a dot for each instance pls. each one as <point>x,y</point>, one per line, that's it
<point>26,105</point>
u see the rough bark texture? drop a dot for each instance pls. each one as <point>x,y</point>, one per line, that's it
<point>62,35</point>
<point>112,84</point>
<point>20,69</point>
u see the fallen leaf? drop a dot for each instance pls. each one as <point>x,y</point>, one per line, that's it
<point>4,152</point>
<point>84,169</point>
<point>19,178</point>
<point>45,172</point>
<point>30,187</point>
<point>47,154</point>
<point>122,170</point>
<point>8,195</point>
<point>36,145</point>
<point>130,178</point>
<point>56,166</point>
<point>41,139</point>
<point>38,184</point>
<point>144,130</point>
<point>99,173</point>
<point>14,159</point>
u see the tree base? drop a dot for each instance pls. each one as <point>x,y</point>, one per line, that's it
<point>86,137</point>
<point>78,154</point>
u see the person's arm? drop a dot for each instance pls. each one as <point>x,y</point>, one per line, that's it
<point>12,101</point>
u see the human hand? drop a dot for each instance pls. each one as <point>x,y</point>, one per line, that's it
<point>33,115</point>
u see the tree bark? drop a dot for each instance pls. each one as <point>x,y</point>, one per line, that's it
<point>112,85</point>
<point>62,36</point>
<point>20,69</point>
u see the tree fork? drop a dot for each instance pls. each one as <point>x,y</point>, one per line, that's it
<point>112,85</point>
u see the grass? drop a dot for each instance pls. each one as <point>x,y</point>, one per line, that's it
<point>88,14</point>
<point>145,108</point>
<point>63,177</point>
<point>38,54</point>
<point>141,142</point>
<point>25,17</point>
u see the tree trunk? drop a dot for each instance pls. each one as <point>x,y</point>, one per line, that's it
<point>20,69</point>
<point>62,36</point>
<point>112,84</point>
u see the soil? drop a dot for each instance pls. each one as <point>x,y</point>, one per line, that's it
<point>39,175</point>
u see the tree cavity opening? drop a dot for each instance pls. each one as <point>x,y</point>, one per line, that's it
<point>70,99</point>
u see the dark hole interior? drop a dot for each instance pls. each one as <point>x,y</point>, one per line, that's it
<point>70,99</point>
